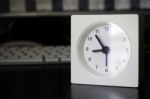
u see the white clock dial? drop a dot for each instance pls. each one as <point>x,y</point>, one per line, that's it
<point>104,49</point>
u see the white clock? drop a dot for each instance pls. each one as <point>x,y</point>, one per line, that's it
<point>105,50</point>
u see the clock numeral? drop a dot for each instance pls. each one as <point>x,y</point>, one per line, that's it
<point>106,70</point>
<point>97,31</point>
<point>90,38</point>
<point>116,67</point>
<point>89,59</point>
<point>124,60</point>
<point>87,48</point>
<point>96,66</point>
<point>124,39</point>
<point>106,28</point>
<point>127,50</point>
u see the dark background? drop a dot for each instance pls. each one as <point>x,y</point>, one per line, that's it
<point>53,80</point>
<point>53,30</point>
<point>40,81</point>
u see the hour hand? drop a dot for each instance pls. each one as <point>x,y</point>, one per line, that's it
<point>104,50</point>
<point>100,41</point>
<point>98,50</point>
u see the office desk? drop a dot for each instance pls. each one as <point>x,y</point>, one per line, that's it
<point>53,82</point>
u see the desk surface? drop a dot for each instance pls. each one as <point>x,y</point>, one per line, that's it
<point>45,82</point>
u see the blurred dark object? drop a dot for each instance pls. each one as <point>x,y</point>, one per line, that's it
<point>44,30</point>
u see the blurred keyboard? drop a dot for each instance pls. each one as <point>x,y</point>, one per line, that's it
<point>34,54</point>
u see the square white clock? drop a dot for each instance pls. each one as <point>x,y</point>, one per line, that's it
<point>106,49</point>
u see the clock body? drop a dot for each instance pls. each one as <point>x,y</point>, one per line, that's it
<point>105,49</point>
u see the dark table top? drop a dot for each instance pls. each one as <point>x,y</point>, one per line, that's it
<point>53,82</point>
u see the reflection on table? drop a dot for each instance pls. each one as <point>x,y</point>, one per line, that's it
<point>101,92</point>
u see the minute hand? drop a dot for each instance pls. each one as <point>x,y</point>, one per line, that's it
<point>100,41</point>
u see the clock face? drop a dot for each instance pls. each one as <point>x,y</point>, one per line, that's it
<point>104,49</point>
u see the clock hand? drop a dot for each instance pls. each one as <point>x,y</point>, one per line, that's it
<point>104,50</point>
<point>106,59</point>
<point>99,50</point>
<point>99,40</point>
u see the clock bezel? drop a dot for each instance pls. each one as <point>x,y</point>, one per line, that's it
<point>80,48</point>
